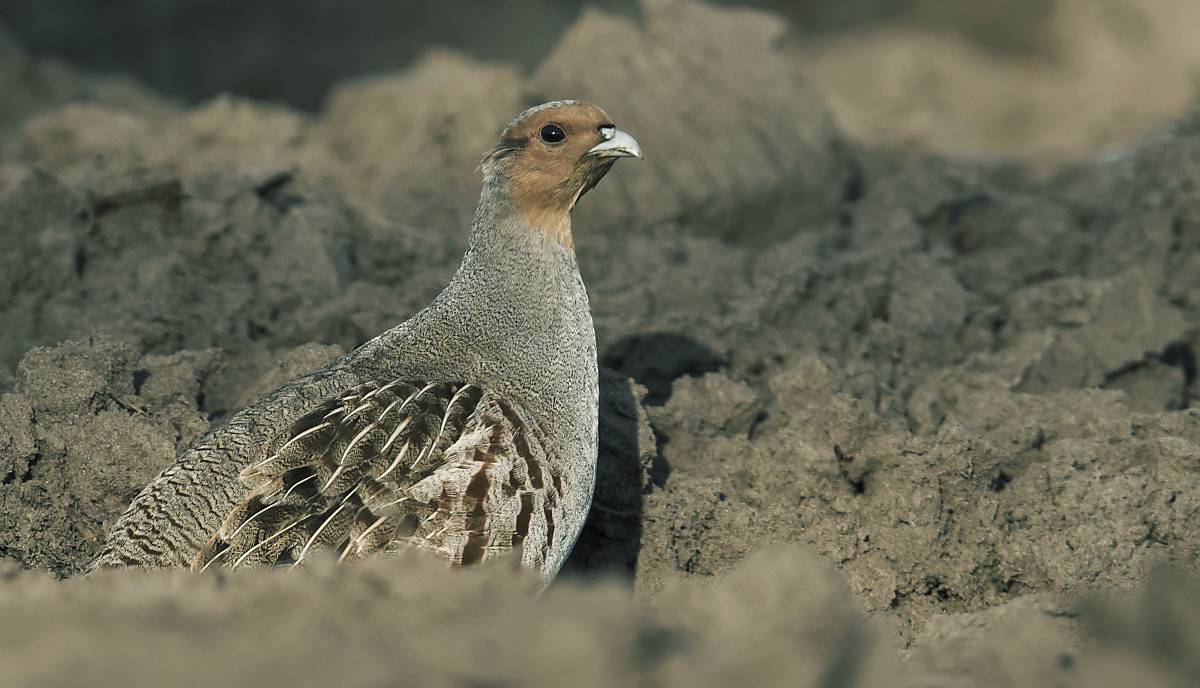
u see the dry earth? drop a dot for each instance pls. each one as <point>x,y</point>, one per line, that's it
<point>894,420</point>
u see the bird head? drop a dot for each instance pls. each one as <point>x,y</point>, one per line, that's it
<point>551,155</point>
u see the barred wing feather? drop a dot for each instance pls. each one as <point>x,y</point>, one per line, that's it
<point>451,468</point>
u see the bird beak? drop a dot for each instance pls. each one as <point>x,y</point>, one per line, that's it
<point>616,144</point>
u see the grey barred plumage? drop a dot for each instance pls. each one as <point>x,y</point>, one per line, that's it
<point>467,431</point>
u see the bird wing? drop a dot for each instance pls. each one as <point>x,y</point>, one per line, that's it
<point>452,468</point>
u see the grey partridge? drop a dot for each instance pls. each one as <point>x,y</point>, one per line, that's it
<point>468,431</point>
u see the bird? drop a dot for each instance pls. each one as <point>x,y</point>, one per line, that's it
<point>468,431</point>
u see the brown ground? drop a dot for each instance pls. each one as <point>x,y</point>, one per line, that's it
<point>908,420</point>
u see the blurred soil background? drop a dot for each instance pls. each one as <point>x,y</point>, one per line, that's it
<point>900,316</point>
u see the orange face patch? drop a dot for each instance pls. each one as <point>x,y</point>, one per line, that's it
<point>545,153</point>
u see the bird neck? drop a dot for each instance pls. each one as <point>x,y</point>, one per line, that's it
<point>515,315</point>
<point>517,291</point>
<point>524,247</point>
<point>512,199</point>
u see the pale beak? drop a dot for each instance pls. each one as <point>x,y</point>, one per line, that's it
<point>617,144</point>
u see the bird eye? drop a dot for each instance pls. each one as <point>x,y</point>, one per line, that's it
<point>552,133</point>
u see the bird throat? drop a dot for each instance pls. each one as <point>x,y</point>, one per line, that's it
<point>545,195</point>
<point>546,212</point>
